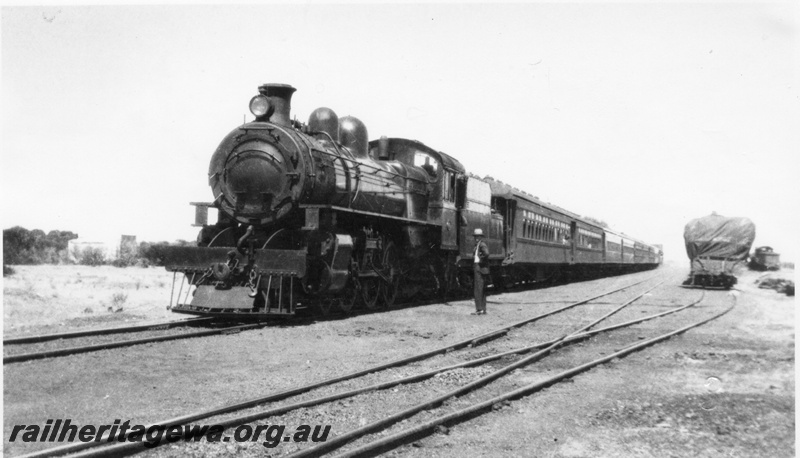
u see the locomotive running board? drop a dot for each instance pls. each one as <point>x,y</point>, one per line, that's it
<point>269,262</point>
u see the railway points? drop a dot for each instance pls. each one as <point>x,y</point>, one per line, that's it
<point>573,337</point>
<point>384,444</point>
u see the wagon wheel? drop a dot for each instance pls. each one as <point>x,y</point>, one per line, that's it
<point>391,268</point>
<point>349,296</point>
<point>324,305</point>
<point>370,292</point>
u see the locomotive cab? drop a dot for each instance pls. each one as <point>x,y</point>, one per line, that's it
<point>441,172</point>
<point>408,152</point>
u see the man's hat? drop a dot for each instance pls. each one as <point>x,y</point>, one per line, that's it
<point>478,233</point>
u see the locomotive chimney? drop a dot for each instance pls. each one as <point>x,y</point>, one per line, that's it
<point>280,96</point>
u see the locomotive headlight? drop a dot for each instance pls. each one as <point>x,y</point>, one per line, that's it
<point>259,105</point>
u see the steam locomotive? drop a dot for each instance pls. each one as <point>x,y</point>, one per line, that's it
<point>316,217</point>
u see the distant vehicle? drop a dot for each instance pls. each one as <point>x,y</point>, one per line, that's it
<point>765,259</point>
<point>715,246</point>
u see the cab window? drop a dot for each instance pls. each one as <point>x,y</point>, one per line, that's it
<point>426,162</point>
<point>449,187</point>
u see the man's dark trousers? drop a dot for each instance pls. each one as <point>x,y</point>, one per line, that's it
<point>480,290</point>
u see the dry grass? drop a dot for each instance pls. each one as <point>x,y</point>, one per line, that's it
<point>37,297</point>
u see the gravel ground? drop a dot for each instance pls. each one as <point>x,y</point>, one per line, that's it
<point>725,388</point>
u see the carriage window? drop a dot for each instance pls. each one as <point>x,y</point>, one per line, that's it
<point>544,228</point>
<point>478,196</point>
<point>589,239</point>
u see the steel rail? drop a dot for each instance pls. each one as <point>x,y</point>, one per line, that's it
<point>105,331</point>
<point>117,449</point>
<point>342,439</point>
<point>124,343</point>
<point>427,427</point>
<point>75,447</point>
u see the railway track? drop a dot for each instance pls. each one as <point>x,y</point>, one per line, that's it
<point>104,331</point>
<point>48,341</point>
<point>14,356</point>
<point>425,428</point>
<point>543,349</point>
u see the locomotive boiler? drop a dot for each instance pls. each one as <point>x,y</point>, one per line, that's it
<point>312,215</point>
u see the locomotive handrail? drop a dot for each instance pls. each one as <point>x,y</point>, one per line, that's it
<point>272,237</point>
<point>317,132</point>
<point>404,191</point>
<point>341,155</point>
<point>351,164</point>
<point>356,167</point>
<point>379,169</point>
<point>362,212</point>
<point>219,234</point>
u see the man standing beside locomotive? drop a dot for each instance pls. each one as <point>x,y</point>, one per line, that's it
<point>481,271</point>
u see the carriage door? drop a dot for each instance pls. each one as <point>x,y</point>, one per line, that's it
<point>461,202</point>
<point>573,238</point>
<point>605,246</point>
<point>450,213</point>
<point>508,227</point>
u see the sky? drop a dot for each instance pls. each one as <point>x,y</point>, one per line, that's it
<point>643,115</point>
